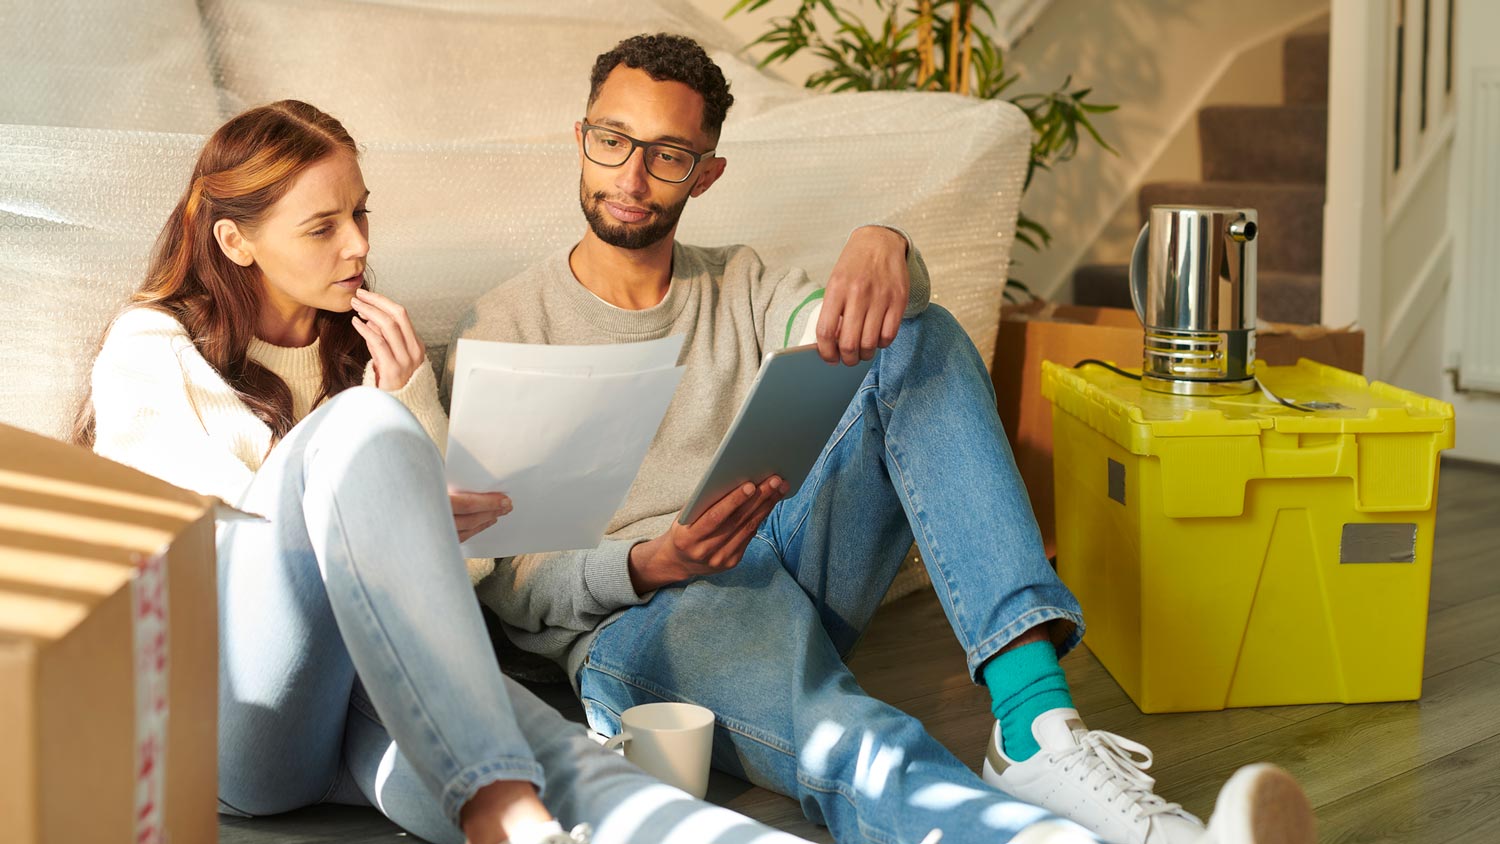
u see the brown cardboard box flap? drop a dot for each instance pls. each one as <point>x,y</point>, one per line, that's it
<point>107,599</point>
<point>1041,310</point>
<point>72,526</point>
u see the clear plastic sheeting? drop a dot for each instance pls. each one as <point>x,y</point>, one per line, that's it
<point>464,111</point>
<point>109,64</point>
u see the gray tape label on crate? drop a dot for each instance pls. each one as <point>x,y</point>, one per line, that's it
<point>1389,543</point>
<point>1117,481</point>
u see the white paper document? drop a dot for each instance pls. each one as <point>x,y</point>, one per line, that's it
<point>562,430</point>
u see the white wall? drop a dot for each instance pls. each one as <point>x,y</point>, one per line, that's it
<point>1253,77</point>
<point>1158,58</point>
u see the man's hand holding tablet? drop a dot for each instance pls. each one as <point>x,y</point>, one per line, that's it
<point>790,412</point>
<point>713,543</point>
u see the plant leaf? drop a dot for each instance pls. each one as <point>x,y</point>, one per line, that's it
<point>887,56</point>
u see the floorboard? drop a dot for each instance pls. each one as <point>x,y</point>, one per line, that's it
<point>1354,747</point>
<point>1391,773</point>
<point>1462,633</point>
<point>1453,800</point>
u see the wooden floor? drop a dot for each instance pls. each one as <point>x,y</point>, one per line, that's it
<point>1426,772</point>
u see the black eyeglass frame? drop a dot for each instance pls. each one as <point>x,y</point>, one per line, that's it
<point>646,146</point>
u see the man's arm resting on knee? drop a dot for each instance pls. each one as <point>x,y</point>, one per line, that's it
<point>878,280</point>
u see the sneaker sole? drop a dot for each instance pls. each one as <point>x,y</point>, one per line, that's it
<point>1262,804</point>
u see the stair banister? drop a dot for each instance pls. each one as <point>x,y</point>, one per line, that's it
<point>1354,211</point>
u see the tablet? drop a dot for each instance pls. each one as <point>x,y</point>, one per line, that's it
<point>792,409</point>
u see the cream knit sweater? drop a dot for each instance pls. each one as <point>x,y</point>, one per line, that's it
<point>161,408</point>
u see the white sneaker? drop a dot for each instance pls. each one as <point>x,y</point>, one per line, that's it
<point>1261,804</point>
<point>1094,779</point>
<point>581,834</point>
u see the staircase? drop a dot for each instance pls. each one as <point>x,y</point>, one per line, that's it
<point>1272,159</point>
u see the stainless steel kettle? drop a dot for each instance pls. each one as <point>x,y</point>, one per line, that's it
<point>1192,279</point>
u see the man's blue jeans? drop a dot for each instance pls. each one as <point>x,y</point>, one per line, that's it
<point>354,666</point>
<point>920,451</point>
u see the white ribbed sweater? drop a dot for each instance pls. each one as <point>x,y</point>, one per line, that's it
<point>161,408</point>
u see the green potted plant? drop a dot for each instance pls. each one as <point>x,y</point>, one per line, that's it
<point>930,45</point>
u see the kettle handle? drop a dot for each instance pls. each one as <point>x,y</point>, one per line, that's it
<point>1138,273</point>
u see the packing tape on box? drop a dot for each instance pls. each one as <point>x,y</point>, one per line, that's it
<point>149,619</point>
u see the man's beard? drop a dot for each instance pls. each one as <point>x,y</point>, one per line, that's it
<point>619,235</point>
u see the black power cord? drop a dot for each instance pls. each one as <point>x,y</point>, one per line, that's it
<point>1111,367</point>
<point>1308,407</point>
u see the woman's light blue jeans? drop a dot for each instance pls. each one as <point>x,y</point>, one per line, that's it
<point>921,452</point>
<point>355,667</point>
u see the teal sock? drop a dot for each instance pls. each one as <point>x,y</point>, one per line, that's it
<point>1024,682</point>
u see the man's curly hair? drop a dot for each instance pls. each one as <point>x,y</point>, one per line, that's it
<point>670,58</point>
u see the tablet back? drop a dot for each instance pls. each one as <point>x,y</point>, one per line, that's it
<point>792,409</point>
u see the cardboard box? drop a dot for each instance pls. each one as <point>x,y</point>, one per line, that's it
<point>108,651</point>
<point>1066,334</point>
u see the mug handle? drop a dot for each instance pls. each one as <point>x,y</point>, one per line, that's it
<point>618,741</point>
<point>1138,273</point>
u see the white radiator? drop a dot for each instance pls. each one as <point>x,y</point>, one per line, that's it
<point>1479,263</point>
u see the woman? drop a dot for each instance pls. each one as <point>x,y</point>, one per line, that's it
<point>354,664</point>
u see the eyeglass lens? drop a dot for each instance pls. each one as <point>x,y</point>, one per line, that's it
<point>612,149</point>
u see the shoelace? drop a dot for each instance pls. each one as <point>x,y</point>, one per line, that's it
<point>1115,759</point>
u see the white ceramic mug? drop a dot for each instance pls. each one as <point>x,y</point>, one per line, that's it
<point>670,741</point>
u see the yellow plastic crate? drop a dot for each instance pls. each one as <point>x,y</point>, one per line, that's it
<point>1235,552</point>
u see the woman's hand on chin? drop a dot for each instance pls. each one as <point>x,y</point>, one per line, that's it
<point>476,511</point>
<point>395,348</point>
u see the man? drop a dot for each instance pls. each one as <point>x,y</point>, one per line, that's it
<point>751,609</point>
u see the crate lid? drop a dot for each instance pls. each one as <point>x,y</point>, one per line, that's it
<point>1123,410</point>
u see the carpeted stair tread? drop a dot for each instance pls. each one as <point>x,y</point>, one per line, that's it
<point>1282,297</point>
<point>1290,217</point>
<point>1264,143</point>
<point>1304,68</point>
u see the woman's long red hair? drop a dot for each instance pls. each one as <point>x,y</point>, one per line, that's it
<point>246,166</point>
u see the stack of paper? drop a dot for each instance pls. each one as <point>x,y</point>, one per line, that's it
<point>562,430</point>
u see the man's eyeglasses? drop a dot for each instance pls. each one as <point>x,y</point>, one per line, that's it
<point>668,162</point>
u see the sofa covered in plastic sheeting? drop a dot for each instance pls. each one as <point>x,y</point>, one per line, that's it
<point>464,111</point>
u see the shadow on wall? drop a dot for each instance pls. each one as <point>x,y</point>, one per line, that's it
<point>1120,49</point>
